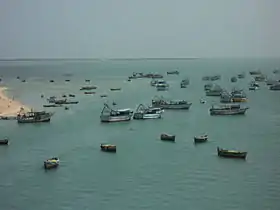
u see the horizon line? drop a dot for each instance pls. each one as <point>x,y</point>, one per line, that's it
<point>61,59</point>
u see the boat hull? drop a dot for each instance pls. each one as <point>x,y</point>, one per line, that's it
<point>115,118</point>
<point>174,106</point>
<point>47,119</point>
<point>4,142</point>
<point>228,112</point>
<point>200,139</point>
<point>141,116</point>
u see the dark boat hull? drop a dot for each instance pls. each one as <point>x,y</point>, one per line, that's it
<point>167,138</point>
<point>4,142</point>
<point>231,154</point>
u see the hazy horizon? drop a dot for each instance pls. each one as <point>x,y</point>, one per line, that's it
<point>127,29</point>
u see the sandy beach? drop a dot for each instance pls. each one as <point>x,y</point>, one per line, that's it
<point>9,106</point>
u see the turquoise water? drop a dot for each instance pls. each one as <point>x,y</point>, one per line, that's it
<point>145,173</point>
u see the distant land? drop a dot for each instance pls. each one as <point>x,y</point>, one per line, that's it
<point>89,59</point>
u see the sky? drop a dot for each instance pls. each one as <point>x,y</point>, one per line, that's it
<point>139,28</point>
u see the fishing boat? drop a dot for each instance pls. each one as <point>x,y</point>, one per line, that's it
<point>51,80</point>
<point>52,105</point>
<point>208,86</point>
<point>34,117</point>
<point>23,80</point>
<point>67,80</point>
<point>184,83</point>
<point>241,76</point>
<point>253,88</point>
<point>260,78</point>
<point>228,109</point>
<point>87,80</point>
<point>142,112</point>
<point>51,163</point>
<point>258,72</point>
<point>231,153</point>
<point>167,137</point>
<point>215,77</point>
<point>160,102</point>
<point>202,101</point>
<point>271,82</point>
<point>111,115</point>
<point>238,96</point>
<point>89,93</point>
<point>206,78</point>
<point>254,84</point>
<point>72,95</point>
<point>103,95</point>
<point>275,87</point>
<point>216,90</point>
<point>276,71</point>
<point>226,97</point>
<point>108,148</point>
<point>4,141</point>
<point>88,88</point>
<point>162,87</point>
<point>233,79</point>
<point>200,139</point>
<point>173,72</point>
<point>115,89</point>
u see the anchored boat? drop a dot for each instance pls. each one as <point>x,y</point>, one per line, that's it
<point>4,141</point>
<point>88,88</point>
<point>238,96</point>
<point>167,137</point>
<point>108,148</point>
<point>200,139</point>
<point>51,163</point>
<point>231,153</point>
<point>142,112</point>
<point>170,104</point>
<point>184,83</point>
<point>228,109</point>
<point>111,115</point>
<point>34,117</point>
<point>215,90</point>
<point>173,72</point>
<point>233,79</point>
<point>275,87</point>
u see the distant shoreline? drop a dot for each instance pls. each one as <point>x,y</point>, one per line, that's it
<point>91,59</point>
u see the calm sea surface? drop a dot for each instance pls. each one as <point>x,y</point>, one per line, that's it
<point>145,173</point>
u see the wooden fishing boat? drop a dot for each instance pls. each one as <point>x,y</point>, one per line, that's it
<point>51,163</point>
<point>231,153</point>
<point>89,93</point>
<point>115,89</point>
<point>52,105</point>
<point>108,148</point>
<point>4,141</point>
<point>173,72</point>
<point>88,88</point>
<point>200,139</point>
<point>167,137</point>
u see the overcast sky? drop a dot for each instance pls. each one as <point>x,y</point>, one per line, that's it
<point>139,28</point>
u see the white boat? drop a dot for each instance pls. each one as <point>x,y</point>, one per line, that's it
<point>142,112</point>
<point>111,115</point>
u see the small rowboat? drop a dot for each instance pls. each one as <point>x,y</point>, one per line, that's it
<point>231,153</point>
<point>167,137</point>
<point>51,163</point>
<point>108,148</point>
<point>115,89</point>
<point>4,141</point>
<point>200,139</point>
<point>103,95</point>
<point>88,93</point>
